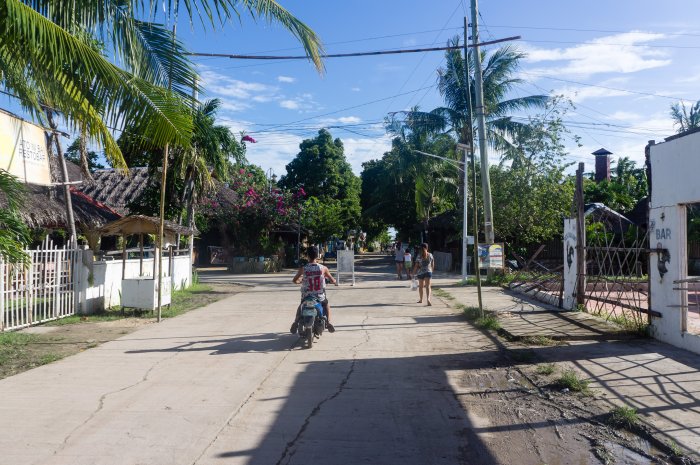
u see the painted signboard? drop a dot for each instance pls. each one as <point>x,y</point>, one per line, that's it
<point>491,256</point>
<point>23,151</point>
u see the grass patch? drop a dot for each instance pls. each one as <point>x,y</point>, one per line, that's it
<point>442,293</point>
<point>545,369</point>
<point>628,324</point>
<point>624,417</point>
<point>182,301</point>
<point>571,381</point>
<point>185,300</point>
<point>49,358</point>
<point>675,449</point>
<point>15,339</point>
<point>471,312</point>
<point>492,281</point>
<point>489,321</point>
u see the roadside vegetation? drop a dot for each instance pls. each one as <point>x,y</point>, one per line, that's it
<point>570,380</point>
<point>625,417</point>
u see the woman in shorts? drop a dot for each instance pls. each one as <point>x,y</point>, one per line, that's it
<point>423,270</point>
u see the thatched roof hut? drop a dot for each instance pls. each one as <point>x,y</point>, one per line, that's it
<point>118,189</point>
<point>45,207</point>
<point>115,188</point>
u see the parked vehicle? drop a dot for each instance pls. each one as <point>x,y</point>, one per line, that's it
<point>312,321</point>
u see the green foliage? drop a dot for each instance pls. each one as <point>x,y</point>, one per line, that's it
<point>38,39</point>
<point>545,369</point>
<point>625,417</point>
<point>258,211</point>
<point>14,235</point>
<point>472,313</point>
<point>685,118</point>
<point>321,169</point>
<point>324,219</point>
<point>570,380</point>
<point>627,186</point>
<point>386,198</point>
<point>532,192</point>
<point>73,154</point>
<point>489,321</point>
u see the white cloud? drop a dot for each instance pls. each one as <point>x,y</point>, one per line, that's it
<point>287,79</point>
<point>273,151</point>
<point>290,104</point>
<point>237,95</point>
<point>303,102</point>
<point>355,89</point>
<point>359,150</point>
<point>342,120</point>
<point>619,53</point>
<point>580,93</point>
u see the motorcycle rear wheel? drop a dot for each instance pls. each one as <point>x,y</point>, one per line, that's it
<point>310,337</point>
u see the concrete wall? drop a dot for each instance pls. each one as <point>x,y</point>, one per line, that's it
<point>675,165</point>
<point>99,283</point>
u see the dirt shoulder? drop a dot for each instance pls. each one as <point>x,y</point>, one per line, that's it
<point>31,347</point>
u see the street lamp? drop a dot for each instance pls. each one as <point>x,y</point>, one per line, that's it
<point>272,179</point>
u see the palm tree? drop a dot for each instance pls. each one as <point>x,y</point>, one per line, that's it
<point>14,235</point>
<point>214,148</point>
<point>685,118</point>
<point>45,54</point>
<point>498,70</point>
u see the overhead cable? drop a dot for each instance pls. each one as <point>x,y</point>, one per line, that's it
<point>347,55</point>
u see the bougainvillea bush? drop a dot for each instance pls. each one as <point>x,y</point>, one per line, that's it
<point>256,212</point>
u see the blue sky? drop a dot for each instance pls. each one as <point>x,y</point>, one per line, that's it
<point>622,62</point>
<point>594,52</point>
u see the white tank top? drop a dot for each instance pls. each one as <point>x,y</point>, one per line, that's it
<point>314,282</point>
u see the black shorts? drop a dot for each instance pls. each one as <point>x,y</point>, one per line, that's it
<point>427,274</point>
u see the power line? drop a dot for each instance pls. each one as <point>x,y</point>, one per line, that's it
<point>346,55</point>
<point>424,55</point>
<point>366,39</point>
<point>343,109</point>
<point>650,94</point>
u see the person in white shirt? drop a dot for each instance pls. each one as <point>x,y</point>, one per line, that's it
<point>398,259</point>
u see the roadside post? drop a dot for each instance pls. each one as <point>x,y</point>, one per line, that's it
<point>345,264</point>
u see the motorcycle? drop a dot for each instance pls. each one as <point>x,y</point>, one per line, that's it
<point>312,321</point>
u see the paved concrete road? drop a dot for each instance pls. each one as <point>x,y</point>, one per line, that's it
<point>228,384</point>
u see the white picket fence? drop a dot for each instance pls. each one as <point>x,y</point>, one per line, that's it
<point>45,290</point>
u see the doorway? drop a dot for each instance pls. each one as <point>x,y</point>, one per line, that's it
<point>692,269</point>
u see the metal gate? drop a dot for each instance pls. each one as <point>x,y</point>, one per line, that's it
<point>42,291</point>
<point>617,274</point>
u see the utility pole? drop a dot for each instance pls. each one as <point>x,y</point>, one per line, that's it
<point>465,173</point>
<point>66,182</point>
<point>163,178</point>
<point>484,158</point>
<point>580,239</point>
<point>475,255</point>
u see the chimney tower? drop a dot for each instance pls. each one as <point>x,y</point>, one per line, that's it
<point>602,165</point>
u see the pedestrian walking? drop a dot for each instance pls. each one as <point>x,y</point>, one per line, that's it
<point>407,262</point>
<point>398,258</point>
<point>423,269</point>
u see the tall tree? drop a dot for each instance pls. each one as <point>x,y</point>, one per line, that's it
<point>685,118</point>
<point>321,169</point>
<point>626,187</point>
<point>532,190</point>
<point>14,235</point>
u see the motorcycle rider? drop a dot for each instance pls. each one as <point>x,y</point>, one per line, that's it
<point>313,278</point>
